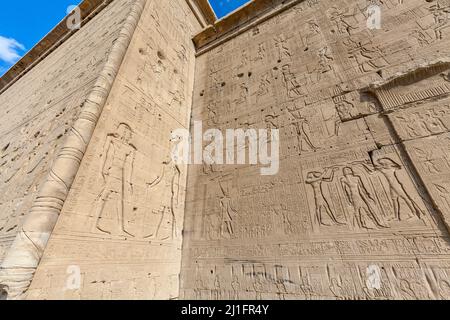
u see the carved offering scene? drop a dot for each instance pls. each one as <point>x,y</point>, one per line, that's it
<point>277,150</point>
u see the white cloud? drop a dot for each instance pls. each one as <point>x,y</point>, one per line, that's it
<point>9,50</point>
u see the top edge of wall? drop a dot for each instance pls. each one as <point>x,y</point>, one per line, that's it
<point>240,20</point>
<point>55,38</point>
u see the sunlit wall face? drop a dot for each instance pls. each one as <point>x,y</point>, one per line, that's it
<point>224,7</point>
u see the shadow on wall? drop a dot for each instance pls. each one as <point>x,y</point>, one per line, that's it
<point>3,293</point>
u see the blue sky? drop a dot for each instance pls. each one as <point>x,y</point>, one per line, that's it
<point>223,7</point>
<point>24,22</point>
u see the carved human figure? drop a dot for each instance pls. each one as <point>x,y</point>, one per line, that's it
<point>243,93</point>
<point>169,180</point>
<point>325,62</point>
<point>212,113</point>
<point>283,49</point>
<point>390,169</point>
<point>360,199</point>
<point>283,215</point>
<point>111,212</point>
<point>261,54</point>
<point>281,289</point>
<point>217,292</point>
<point>264,85</point>
<point>293,87</point>
<point>339,18</point>
<point>341,289</point>
<point>258,286</point>
<point>346,109</point>
<point>244,59</point>
<point>302,129</point>
<point>316,179</point>
<point>313,30</point>
<point>332,121</point>
<point>227,213</point>
<point>307,289</point>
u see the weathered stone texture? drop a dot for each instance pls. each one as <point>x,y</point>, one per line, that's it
<point>38,111</point>
<point>122,222</point>
<point>363,187</point>
<point>350,195</point>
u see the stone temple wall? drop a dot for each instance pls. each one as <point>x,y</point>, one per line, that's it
<point>122,221</point>
<point>363,187</point>
<point>360,207</point>
<point>38,111</point>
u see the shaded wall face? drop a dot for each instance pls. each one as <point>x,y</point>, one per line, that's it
<point>120,229</point>
<point>38,110</point>
<point>360,206</point>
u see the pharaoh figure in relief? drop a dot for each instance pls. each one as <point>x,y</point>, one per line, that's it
<point>117,175</point>
<point>358,210</point>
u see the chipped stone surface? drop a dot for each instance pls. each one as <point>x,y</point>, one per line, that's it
<point>39,111</point>
<point>362,191</point>
<point>362,186</point>
<point>122,221</point>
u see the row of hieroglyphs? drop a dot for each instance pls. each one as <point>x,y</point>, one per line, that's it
<point>333,280</point>
<point>250,87</point>
<point>301,67</point>
<point>115,283</point>
<point>39,111</point>
<point>347,101</point>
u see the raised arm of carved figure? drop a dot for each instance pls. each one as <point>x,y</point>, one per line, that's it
<point>328,175</point>
<point>314,177</point>
<point>366,167</point>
